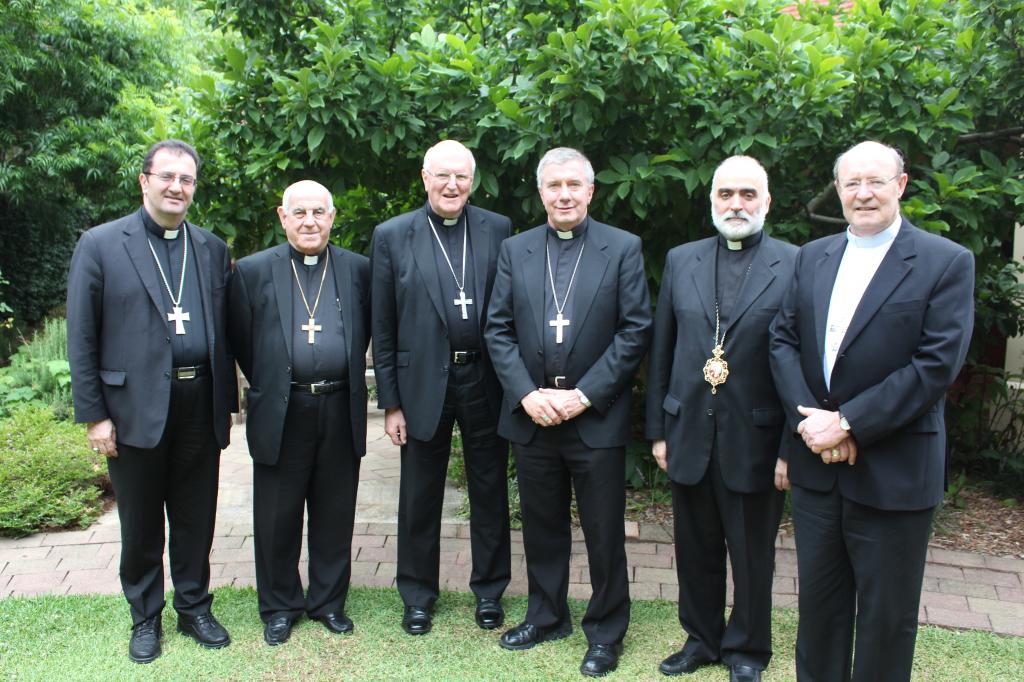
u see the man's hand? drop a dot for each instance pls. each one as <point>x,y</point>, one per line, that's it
<point>844,452</point>
<point>102,437</point>
<point>820,429</point>
<point>394,425</point>
<point>566,401</point>
<point>542,408</point>
<point>781,474</point>
<point>660,451</point>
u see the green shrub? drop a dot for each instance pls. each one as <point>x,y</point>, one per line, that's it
<point>49,478</point>
<point>39,373</point>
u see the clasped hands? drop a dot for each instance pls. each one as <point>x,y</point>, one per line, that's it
<point>550,406</point>
<point>822,434</point>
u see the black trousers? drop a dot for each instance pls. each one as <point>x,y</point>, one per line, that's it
<point>555,462</point>
<point>708,519</point>
<point>179,475</point>
<point>421,495</point>
<point>317,470</point>
<point>858,565</point>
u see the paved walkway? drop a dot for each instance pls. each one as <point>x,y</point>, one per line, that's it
<point>961,590</point>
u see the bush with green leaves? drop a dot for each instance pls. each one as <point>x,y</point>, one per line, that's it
<point>49,478</point>
<point>39,373</point>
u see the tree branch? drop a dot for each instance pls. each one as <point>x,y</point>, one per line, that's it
<point>815,203</point>
<point>992,134</point>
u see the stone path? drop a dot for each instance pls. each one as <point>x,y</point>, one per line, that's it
<point>961,590</point>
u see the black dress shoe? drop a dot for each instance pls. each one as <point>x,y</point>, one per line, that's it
<point>205,629</point>
<point>489,613</point>
<point>681,663</point>
<point>144,645</point>
<point>744,673</point>
<point>416,620</point>
<point>527,635</point>
<point>277,630</point>
<point>338,623</point>
<point>601,659</point>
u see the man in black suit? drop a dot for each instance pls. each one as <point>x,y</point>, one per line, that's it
<point>567,327</point>
<point>152,376</point>
<point>433,269</point>
<point>871,334</point>
<point>718,433</point>
<point>298,322</point>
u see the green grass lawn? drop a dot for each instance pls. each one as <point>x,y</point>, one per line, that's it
<point>86,638</point>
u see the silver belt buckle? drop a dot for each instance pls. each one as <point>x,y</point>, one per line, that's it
<point>460,357</point>
<point>315,388</point>
<point>560,381</point>
<point>186,373</point>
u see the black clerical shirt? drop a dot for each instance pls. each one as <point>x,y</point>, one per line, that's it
<point>325,358</point>
<point>462,334</point>
<point>188,349</point>
<point>731,269</point>
<point>563,255</point>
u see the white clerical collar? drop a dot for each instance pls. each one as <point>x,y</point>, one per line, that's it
<point>875,240</point>
<point>448,222</point>
<point>170,234</point>
<point>310,260</point>
<point>733,246</point>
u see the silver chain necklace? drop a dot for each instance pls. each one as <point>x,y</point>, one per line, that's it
<point>559,322</point>
<point>461,301</point>
<point>176,315</point>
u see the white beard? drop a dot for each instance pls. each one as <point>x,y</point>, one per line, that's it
<point>735,232</point>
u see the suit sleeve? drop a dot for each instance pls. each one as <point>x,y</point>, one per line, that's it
<point>910,391</point>
<point>240,320</point>
<point>614,370</point>
<point>384,322</point>
<point>663,343</point>
<point>232,388</point>
<point>500,334</point>
<point>85,319</point>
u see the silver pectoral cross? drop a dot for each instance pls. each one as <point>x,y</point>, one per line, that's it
<point>463,303</point>
<point>558,323</point>
<point>312,327</point>
<point>179,319</point>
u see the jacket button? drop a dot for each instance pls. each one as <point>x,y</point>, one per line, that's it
<point>167,375</point>
<point>288,369</point>
<point>711,412</point>
<point>284,398</point>
<point>825,402</point>
<point>167,339</point>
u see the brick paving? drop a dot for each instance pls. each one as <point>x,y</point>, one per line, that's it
<point>961,590</point>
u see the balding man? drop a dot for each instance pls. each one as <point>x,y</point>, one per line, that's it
<point>717,432</point>
<point>299,326</point>
<point>432,274</point>
<point>871,334</point>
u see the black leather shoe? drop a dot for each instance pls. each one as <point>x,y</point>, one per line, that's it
<point>681,663</point>
<point>205,629</point>
<point>338,623</point>
<point>601,659</point>
<point>416,620</point>
<point>744,673</point>
<point>489,613</point>
<point>527,635</point>
<point>277,630</point>
<point>144,646</point>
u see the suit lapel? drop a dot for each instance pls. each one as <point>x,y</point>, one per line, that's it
<point>762,273</point>
<point>346,290</point>
<point>593,263</point>
<point>423,254</point>
<point>891,271</point>
<point>535,271</point>
<point>825,272</point>
<point>704,279</point>
<point>480,241</point>
<point>136,245</point>
<point>282,273</point>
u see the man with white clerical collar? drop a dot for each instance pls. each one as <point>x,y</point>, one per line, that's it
<point>567,327</point>
<point>151,375</point>
<point>433,269</point>
<point>299,327</point>
<point>716,422</point>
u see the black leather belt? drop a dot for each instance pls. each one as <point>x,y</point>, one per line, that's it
<point>464,357</point>
<point>186,373</point>
<point>557,382</point>
<point>320,387</point>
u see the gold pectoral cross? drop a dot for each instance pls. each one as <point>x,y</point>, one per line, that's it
<point>312,327</point>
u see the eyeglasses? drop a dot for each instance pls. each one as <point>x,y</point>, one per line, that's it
<point>873,184</point>
<point>319,213</point>
<point>445,178</point>
<point>169,178</point>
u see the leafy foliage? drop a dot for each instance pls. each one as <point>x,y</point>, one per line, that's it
<point>39,373</point>
<point>48,476</point>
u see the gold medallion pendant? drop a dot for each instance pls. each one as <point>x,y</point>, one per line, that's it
<point>716,369</point>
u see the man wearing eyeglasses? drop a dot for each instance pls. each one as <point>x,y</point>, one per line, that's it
<point>152,376</point>
<point>871,334</point>
<point>299,326</point>
<point>433,269</point>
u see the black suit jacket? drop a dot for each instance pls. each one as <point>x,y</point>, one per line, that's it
<point>259,324</point>
<point>611,325</point>
<point>904,347</point>
<point>746,412</point>
<point>411,353</point>
<point>118,337</point>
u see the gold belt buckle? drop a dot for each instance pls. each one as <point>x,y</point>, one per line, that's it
<point>186,372</point>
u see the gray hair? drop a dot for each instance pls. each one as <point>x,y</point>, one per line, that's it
<point>896,157</point>
<point>428,157</point>
<point>739,160</point>
<point>286,198</point>
<point>560,155</point>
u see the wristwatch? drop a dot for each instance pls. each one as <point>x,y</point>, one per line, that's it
<point>843,423</point>
<point>583,398</point>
